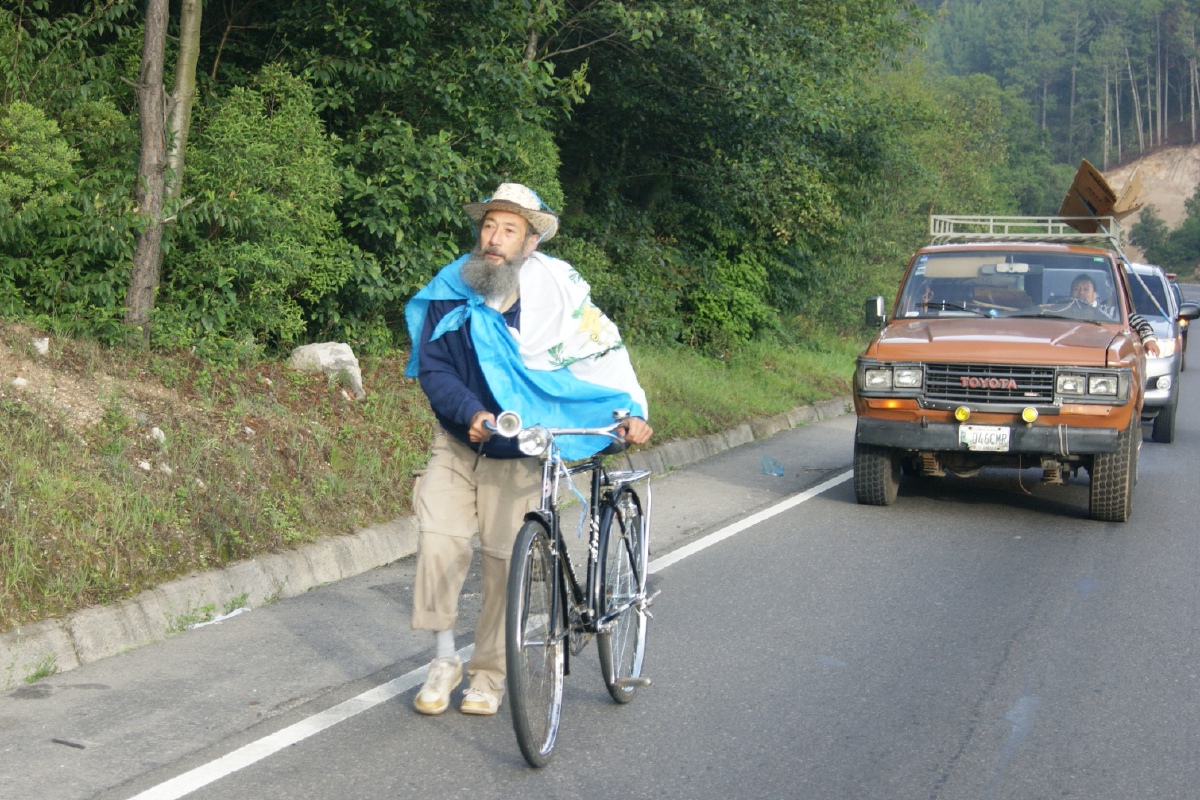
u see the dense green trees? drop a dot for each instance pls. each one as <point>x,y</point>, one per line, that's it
<point>725,170</point>
<point>1108,81</point>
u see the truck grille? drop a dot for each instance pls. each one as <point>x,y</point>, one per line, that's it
<point>989,383</point>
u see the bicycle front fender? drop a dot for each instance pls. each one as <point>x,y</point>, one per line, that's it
<point>537,515</point>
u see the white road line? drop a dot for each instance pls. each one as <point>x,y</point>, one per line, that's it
<point>741,525</point>
<point>256,751</point>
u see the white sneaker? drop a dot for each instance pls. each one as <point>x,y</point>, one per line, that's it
<point>445,673</point>
<point>477,701</point>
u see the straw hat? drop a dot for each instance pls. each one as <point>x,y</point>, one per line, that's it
<point>518,199</point>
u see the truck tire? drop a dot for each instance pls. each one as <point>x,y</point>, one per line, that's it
<point>1110,496</point>
<point>1164,423</point>
<point>876,475</point>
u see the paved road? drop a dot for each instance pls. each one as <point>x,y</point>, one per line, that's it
<point>980,639</point>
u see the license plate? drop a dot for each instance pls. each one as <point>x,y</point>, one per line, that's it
<point>993,438</point>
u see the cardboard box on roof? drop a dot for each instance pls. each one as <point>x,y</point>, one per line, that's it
<point>1090,197</point>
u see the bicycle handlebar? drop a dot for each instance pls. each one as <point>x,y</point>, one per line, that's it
<point>509,424</point>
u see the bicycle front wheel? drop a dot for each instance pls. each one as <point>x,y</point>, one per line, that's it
<point>623,554</point>
<point>533,647</point>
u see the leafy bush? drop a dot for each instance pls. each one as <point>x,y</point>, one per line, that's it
<point>66,232</point>
<point>726,309</point>
<point>260,249</point>
<point>34,159</point>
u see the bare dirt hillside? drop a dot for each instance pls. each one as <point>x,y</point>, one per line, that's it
<point>1169,177</point>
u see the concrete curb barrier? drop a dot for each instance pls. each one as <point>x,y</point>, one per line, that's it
<point>101,631</point>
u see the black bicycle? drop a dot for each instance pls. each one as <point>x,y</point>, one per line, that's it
<point>553,611</point>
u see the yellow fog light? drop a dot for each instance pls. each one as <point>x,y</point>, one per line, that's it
<point>962,413</point>
<point>1029,414</point>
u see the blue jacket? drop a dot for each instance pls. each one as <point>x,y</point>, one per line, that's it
<point>453,381</point>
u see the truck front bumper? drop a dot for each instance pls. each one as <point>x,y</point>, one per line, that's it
<point>1062,440</point>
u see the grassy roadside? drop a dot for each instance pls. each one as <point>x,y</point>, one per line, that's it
<point>120,469</point>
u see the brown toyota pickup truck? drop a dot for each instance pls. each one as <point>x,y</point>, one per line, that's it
<point>996,355</point>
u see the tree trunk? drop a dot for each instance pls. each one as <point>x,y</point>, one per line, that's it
<point>1137,103</point>
<point>1071,119</point>
<point>1160,91</point>
<point>1045,99</point>
<point>1107,121</point>
<point>1178,99</point>
<point>1191,66</point>
<point>1191,83</point>
<point>1116,91</point>
<point>147,253</point>
<point>1152,109</point>
<point>185,92</point>
<point>1075,41</point>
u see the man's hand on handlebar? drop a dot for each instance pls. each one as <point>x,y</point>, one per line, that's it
<point>635,430</point>
<point>479,430</point>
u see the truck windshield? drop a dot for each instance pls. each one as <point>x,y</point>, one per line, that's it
<point>1010,283</point>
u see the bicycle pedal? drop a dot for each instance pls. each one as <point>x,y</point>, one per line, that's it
<point>646,602</point>
<point>631,683</point>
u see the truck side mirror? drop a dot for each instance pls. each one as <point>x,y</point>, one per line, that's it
<point>874,312</point>
<point>1189,311</point>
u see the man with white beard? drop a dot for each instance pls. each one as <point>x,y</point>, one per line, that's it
<point>503,328</point>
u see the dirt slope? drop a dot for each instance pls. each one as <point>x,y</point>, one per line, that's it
<point>1169,178</point>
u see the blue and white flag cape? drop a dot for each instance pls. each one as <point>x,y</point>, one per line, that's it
<point>565,368</point>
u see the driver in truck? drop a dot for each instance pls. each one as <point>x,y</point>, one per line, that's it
<point>1083,289</point>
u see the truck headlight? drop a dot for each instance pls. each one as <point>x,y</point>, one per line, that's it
<point>1105,385</point>
<point>1070,384</point>
<point>877,379</point>
<point>908,377</point>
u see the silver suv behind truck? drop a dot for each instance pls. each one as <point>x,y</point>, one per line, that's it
<point>1154,300</point>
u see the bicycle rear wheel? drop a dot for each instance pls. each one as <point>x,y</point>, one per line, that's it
<point>533,649</point>
<point>623,554</point>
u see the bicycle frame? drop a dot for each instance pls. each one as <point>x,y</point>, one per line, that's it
<point>576,608</point>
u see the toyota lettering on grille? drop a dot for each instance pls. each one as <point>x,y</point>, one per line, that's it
<point>972,382</point>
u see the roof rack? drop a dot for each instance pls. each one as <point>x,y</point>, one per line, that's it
<point>1105,231</point>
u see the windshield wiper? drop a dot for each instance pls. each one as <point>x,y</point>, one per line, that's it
<point>1051,315</point>
<point>943,305</point>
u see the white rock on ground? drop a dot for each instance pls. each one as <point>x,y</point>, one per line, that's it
<point>334,359</point>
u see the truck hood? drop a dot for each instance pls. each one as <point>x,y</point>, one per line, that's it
<point>1001,341</point>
